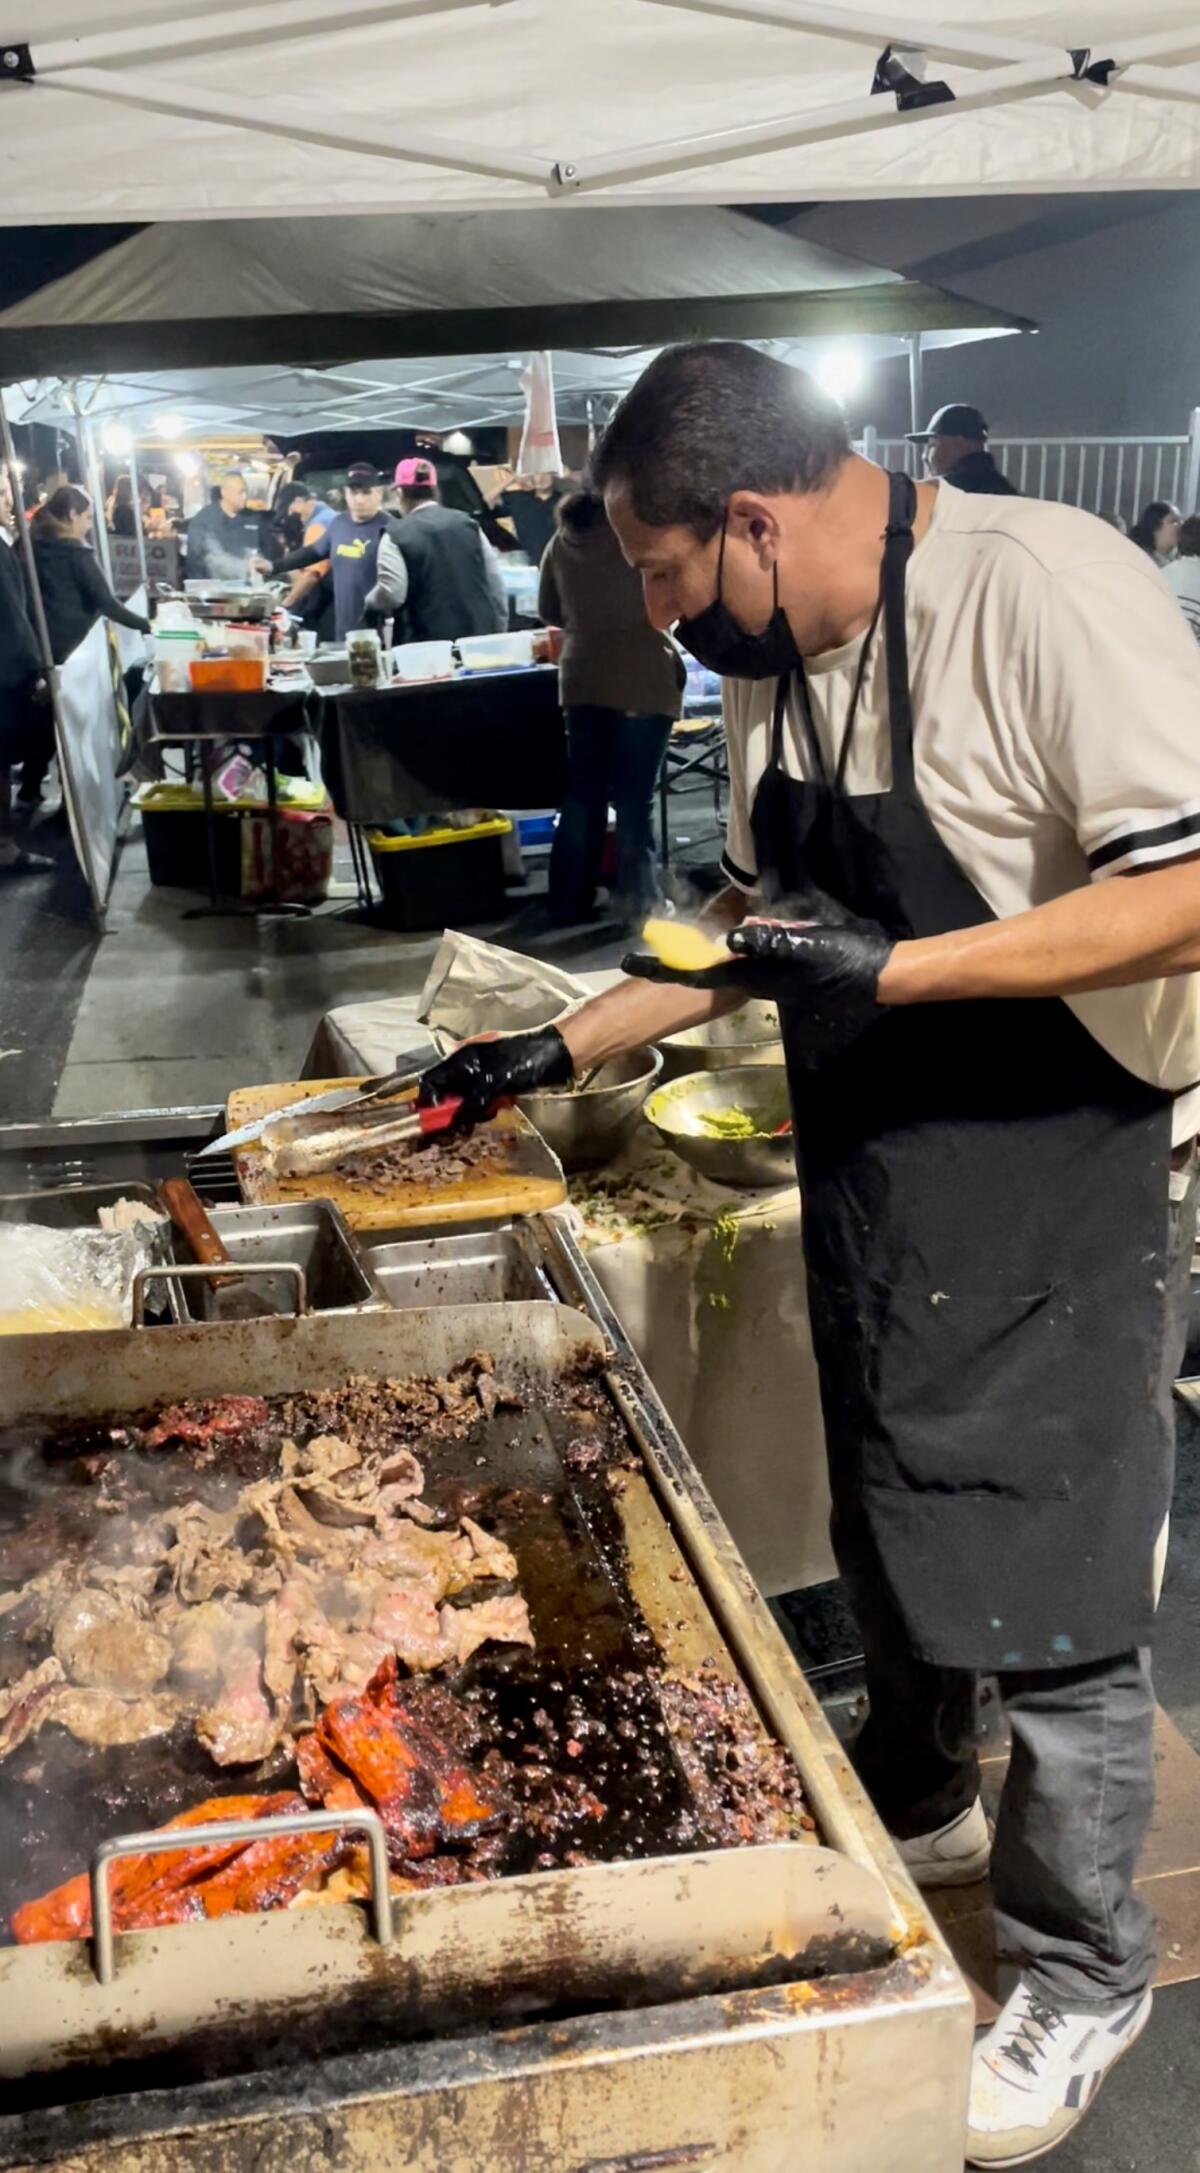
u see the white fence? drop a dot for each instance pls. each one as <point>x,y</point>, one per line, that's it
<point>1104,475</point>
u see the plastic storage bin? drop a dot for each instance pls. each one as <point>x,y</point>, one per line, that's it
<point>446,878</point>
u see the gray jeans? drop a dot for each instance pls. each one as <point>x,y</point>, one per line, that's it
<point>1080,1788</point>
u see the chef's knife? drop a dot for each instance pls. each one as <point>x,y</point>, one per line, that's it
<point>396,1082</point>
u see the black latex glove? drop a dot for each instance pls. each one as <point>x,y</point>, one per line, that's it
<point>485,1072</point>
<point>826,972</point>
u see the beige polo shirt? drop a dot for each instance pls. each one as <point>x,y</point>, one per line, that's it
<point>1056,699</point>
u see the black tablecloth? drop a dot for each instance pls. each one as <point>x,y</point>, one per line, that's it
<point>233,716</point>
<point>497,740</point>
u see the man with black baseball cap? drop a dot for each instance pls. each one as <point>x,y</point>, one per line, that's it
<point>956,449</point>
<point>351,545</point>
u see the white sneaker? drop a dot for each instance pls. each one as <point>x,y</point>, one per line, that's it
<point>956,1854</point>
<point>1036,2070</point>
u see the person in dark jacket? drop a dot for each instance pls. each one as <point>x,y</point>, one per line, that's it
<point>437,575</point>
<point>621,685</point>
<point>956,450</point>
<point>74,591</point>
<point>26,720</point>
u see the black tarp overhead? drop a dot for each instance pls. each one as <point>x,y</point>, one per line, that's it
<point>248,321</point>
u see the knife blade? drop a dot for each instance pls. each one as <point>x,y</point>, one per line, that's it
<point>396,1082</point>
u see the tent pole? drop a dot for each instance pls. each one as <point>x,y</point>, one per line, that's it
<point>291,123</point>
<point>138,530</point>
<point>916,402</point>
<point>96,487</point>
<point>225,30</point>
<point>855,117</point>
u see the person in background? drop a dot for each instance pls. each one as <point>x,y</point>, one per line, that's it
<point>350,543</point>
<point>222,538</point>
<point>1112,519</point>
<point>1156,531</point>
<point>621,686</point>
<point>436,573</point>
<point>529,502</point>
<point>26,719</point>
<point>956,451</point>
<point>122,519</point>
<point>74,591</point>
<point>1183,574</point>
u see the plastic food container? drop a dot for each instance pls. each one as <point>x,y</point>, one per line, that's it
<point>495,652</point>
<point>423,660</point>
<point>236,638</point>
<point>228,674</point>
<point>171,652</point>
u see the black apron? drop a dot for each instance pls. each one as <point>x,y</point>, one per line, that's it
<point>985,1228</point>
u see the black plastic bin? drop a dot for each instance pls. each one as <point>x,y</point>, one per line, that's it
<point>448,878</point>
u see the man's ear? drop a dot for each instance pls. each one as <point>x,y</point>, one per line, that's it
<point>753,519</point>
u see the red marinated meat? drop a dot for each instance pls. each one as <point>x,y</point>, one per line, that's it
<point>423,1792</point>
<point>149,1889</point>
<point>207,1420</point>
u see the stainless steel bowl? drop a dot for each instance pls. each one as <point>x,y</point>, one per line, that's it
<point>761,1090</point>
<point>748,1036</point>
<point>584,1129</point>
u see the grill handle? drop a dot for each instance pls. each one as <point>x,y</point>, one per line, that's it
<point>234,1829</point>
<point>230,1272</point>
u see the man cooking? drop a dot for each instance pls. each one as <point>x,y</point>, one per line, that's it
<point>351,545</point>
<point>222,537</point>
<point>964,820</point>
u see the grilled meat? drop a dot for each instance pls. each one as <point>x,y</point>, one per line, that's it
<point>22,1703</point>
<point>424,1792</point>
<point>249,1608</point>
<point>150,1890</point>
<point>104,1644</point>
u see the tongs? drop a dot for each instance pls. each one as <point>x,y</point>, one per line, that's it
<point>341,1098</point>
<point>297,1148</point>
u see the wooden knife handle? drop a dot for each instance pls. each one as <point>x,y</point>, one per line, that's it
<point>190,1216</point>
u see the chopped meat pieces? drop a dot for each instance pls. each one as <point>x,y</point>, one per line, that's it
<point>504,1619</point>
<point>424,1791</point>
<point>23,1703</point>
<point>205,1423</point>
<point>99,1717</point>
<point>105,1643</point>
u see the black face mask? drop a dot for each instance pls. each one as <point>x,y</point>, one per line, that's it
<point>716,640</point>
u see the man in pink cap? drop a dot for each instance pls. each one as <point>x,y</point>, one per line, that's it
<point>435,569</point>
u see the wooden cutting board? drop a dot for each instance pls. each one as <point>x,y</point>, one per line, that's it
<point>524,1179</point>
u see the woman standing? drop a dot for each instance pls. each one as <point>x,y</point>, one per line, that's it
<point>74,591</point>
<point>621,686</point>
<point>1157,532</point>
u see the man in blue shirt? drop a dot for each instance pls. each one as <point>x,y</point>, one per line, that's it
<point>351,545</point>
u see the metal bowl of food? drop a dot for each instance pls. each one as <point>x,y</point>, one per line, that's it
<point>734,1126</point>
<point>586,1125</point>
<point>749,1035</point>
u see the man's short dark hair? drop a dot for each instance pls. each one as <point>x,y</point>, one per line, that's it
<point>706,420</point>
<point>417,494</point>
<point>1189,537</point>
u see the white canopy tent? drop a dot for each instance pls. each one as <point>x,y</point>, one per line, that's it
<point>154,110</point>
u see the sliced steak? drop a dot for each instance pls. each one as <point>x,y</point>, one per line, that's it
<point>106,1643</point>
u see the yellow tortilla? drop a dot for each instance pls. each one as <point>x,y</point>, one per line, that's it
<point>681,947</point>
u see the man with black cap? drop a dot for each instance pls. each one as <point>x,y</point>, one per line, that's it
<point>351,545</point>
<point>956,449</point>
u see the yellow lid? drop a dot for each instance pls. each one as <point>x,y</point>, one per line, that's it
<point>496,826</point>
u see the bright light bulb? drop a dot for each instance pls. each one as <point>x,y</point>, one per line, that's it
<point>841,372</point>
<point>188,464</point>
<point>169,426</point>
<point>117,440</point>
<point>459,444</point>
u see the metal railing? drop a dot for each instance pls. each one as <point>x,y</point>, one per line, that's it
<point>1104,475</point>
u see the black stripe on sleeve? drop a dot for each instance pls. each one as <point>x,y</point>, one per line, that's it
<point>737,875</point>
<point>1179,832</point>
